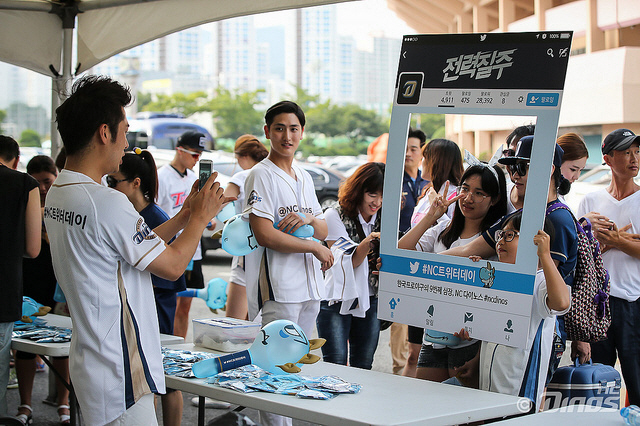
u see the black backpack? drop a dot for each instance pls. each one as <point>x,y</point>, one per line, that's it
<point>589,317</point>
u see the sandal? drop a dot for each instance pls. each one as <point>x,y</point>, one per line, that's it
<point>25,419</point>
<point>65,419</point>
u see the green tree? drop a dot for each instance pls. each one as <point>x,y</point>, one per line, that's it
<point>349,120</point>
<point>431,124</point>
<point>304,98</point>
<point>186,104</point>
<point>235,113</point>
<point>143,100</point>
<point>30,138</point>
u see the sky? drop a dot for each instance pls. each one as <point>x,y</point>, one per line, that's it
<point>360,19</point>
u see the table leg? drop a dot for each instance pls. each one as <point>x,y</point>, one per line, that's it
<point>201,410</point>
<point>73,403</point>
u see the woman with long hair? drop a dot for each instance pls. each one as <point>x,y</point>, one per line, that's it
<point>137,178</point>
<point>352,329</point>
<point>441,162</point>
<point>479,203</point>
<point>249,151</point>
<point>575,155</point>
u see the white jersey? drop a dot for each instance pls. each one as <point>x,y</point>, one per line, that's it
<point>523,372</point>
<point>173,189</point>
<point>624,270</point>
<point>238,179</point>
<point>272,275</point>
<point>100,247</point>
<point>344,282</point>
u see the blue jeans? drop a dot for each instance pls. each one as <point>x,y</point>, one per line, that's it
<point>6,328</point>
<point>623,336</point>
<point>346,333</point>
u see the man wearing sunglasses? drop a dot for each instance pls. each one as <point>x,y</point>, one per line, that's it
<point>174,183</point>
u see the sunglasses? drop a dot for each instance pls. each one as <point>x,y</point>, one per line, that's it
<point>195,155</point>
<point>519,168</point>
<point>507,235</point>
<point>113,182</point>
<point>508,153</point>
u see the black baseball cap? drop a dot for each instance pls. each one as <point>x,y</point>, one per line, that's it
<point>523,152</point>
<point>619,140</point>
<point>193,140</point>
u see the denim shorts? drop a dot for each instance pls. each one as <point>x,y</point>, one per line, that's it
<point>446,357</point>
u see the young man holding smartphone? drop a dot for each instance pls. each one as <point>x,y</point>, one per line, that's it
<point>103,254</point>
<point>174,183</point>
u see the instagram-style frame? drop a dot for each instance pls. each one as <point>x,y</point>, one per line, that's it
<point>508,74</point>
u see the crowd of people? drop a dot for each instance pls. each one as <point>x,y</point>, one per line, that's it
<point>121,238</point>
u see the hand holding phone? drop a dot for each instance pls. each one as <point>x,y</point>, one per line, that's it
<point>205,170</point>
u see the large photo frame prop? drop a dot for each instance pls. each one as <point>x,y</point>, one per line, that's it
<point>507,74</point>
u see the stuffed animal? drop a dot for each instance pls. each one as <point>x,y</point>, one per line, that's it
<point>31,308</point>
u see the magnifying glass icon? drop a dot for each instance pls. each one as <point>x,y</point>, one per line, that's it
<point>550,52</point>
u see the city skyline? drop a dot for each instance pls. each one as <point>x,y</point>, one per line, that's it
<point>212,55</point>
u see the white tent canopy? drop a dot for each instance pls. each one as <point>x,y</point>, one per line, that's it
<point>32,30</point>
<point>39,34</point>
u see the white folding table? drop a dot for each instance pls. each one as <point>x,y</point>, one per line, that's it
<point>62,349</point>
<point>385,399</point>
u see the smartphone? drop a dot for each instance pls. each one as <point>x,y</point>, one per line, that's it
<point>205,170</point>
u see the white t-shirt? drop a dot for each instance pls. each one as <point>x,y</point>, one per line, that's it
<point>503,369</point>
<point>510,207</point>
<point>100,248</point>
<point>624,270</point>
<point>423,206</point>
<point>272,275</point>
<point>239,179</point>
<point>173,189</point>
<point>429,243</point>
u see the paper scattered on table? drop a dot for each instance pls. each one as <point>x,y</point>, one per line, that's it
<point>251,378</point>
<point>39,332</point>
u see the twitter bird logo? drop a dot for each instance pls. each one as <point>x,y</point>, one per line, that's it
<point>414,266</point>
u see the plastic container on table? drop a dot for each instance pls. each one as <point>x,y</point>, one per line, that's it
<point>224,334</point>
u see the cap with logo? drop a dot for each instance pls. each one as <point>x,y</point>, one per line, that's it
<point>523,152</point>
<point>619,140</point>
<point>193,140</point>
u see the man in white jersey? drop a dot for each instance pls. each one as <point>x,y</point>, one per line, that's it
<point>103,252</point>
<point>174,184</point>
<point>610,209</point>
<point>284,275</point>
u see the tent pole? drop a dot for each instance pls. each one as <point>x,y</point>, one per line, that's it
<point>61,88</point>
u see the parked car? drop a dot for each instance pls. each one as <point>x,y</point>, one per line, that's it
<point>326,181</point>
<point>162,132</point>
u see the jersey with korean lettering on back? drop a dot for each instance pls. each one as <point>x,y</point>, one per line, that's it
<point>100,247</point>
<point>173,188</point>
<point>522,371</point>
<point>272,275</point>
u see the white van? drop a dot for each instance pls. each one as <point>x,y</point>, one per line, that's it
<point>162,131</point>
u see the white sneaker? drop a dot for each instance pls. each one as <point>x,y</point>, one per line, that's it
<point>211,403</point>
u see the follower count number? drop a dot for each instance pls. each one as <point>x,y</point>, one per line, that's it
<point>447,98</point>
<point>484,98</point>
